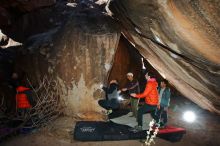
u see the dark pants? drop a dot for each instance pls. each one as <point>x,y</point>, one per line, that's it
<point>109,104</point>
<point>146,108</point>
<point>162,116</point>
<point>23,112</point>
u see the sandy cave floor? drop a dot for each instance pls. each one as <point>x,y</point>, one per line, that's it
<point>204,133</point>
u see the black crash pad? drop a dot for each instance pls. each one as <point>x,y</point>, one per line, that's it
<point>103,131</point>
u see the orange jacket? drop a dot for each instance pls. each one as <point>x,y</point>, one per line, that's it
<point>150,93</point>
<point>21,98</point>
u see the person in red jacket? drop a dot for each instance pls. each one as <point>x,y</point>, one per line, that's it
<point>22,101</point>
<point>151,99</point>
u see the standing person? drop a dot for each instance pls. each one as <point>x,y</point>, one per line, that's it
<point>111,101</point>
<point>132,87</point>
<point>23,101</point>
<point>164,101</point>
<point>151,99</point>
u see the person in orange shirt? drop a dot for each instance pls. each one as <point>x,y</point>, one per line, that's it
<point>151,100</point>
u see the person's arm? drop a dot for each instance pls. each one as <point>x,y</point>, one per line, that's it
<point>112,88</point>
<point>135,85</point>
<point>168,96</point>
<point>105,89</point>
<point>125,88</point>
<point>168,93</point>
<point>145,93</point>
<point>143,70</point>
<point>142,61</point>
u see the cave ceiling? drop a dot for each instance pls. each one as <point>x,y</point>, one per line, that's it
<point>179,38</point>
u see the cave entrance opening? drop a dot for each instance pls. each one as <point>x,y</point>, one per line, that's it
<point>128,59</point>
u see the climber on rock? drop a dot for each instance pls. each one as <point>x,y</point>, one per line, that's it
<point>111,102</point>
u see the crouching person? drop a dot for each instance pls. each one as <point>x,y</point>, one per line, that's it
<point>24,100</point>
<point>111,102</point>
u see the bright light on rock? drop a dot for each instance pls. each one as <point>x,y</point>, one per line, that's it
<point>189,116</point>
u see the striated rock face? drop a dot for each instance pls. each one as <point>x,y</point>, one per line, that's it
<point>78,56</point>
<point>181,40</point>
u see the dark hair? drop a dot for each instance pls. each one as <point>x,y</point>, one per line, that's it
<point>114,79</point>
<point>151,74</point>
<point>165,81</point>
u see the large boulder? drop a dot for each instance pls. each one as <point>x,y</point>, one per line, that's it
<point>78,57</point>
<point>180,39</point>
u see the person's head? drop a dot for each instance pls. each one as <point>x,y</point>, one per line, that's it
<point>130,76</point>
<point>14,75</point>
<point>149,75</point>
<point>163,83</point>
<point>114,81</point>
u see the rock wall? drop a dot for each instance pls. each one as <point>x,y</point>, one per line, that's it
<point>180,39</point>
<point>79,56</point>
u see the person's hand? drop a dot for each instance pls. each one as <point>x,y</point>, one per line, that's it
<point>101,86</point>
<point>124,89</point>
<point>133,94</point>
<point>142,61</point>
<point>166,109</point>
<point>158,106</point>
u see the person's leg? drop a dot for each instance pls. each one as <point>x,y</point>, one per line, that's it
<point>132,106</point>
<point>156,115</point>
<point>142,110</point>
<point>136,102</point>
<point>165,117</point>
<point>140,113</point>
<point>153,112</point>
<point>114,104</point>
